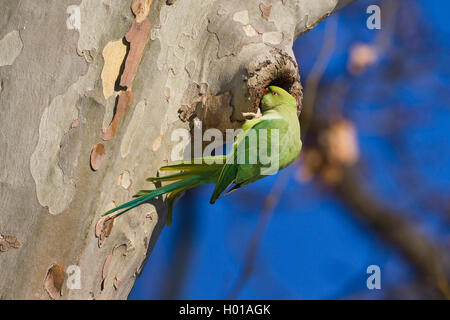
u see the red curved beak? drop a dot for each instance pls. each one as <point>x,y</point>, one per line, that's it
<point>265,91</point>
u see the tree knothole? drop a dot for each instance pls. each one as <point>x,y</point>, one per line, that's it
<point>243,94</point>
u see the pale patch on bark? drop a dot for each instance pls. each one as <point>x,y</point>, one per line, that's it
<point>10,48</point>
<point>241,16</point>
<point>92,15</point>
<point>124,179</point>
<point>250,31</point>
<point>113,55</point>
<point>132,129</point>
<point>157,143</point>
<point>272,37</point>
<point>55,122</point>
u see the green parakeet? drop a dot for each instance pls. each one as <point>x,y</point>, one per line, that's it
<point>266,144</point>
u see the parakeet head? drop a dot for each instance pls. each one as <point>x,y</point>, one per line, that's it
<point>275,96</point>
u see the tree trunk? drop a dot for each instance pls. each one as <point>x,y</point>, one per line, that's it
<point>83,123</point>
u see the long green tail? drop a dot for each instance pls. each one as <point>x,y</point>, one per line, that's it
<point>191,176</point>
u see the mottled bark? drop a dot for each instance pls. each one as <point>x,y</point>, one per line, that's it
<point>59,87</point>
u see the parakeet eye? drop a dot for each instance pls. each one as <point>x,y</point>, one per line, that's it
<point>275,93</point>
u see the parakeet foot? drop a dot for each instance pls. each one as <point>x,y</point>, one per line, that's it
<point>252,115</point>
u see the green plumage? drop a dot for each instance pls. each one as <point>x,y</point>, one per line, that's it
<point>278,126</point>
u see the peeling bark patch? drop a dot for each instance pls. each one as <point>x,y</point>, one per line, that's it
<point>265,10</point>
<point>98,154</point>
<point>104,227</point>
<point>241,16</point>
<point>250,31</point>
<point>221,11</point>
<point>123,103</point>
<point>132,128</point>
<point>137,37</point>
<point>106,268</point>
<point>124,180</point>
<point>80,52</point>
<point>86,54</point>
<point>10,48</point>
<point>190,68</point>
<point>167,93</point>
<point>272,37</point>
<point>113,55</point>
<point>113,263</point>
<point>230,35</point>
<point>154,33</point>
<point>54,281</point>
<point>74,20</point>
<point>7,242</point>
<point>157,143</point>
<point>53,188</point>
<point>117,283</point>
<point>141,9</point>
<point>76,122</point>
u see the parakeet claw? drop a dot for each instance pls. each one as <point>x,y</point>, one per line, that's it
<point>252,115</point>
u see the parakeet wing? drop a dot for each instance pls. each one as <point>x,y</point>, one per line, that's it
<point>243,172</point>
